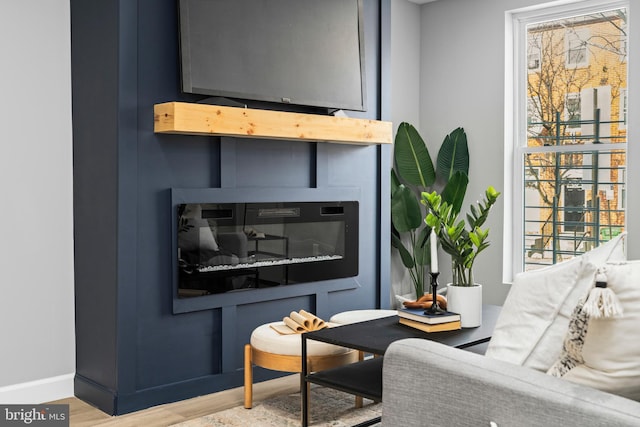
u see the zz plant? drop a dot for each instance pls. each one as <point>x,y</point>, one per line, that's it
<point>462,241</point>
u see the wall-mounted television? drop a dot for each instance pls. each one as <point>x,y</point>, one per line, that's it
<point>299,52</point>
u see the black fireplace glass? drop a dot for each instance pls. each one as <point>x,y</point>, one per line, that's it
<point>239,246</point>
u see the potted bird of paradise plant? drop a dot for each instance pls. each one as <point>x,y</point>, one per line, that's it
<point>414,173</point>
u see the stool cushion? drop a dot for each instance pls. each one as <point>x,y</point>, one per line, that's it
<point>265,338</point>
<point>355,316</point>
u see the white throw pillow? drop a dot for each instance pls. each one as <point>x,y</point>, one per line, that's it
<point>535,316</point>
<point>606,351</point>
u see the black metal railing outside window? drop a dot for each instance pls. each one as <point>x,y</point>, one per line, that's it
<point>574,190</point>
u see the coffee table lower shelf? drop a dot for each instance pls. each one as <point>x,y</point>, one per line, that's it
<point>364,378</point>
<point>361,378</point>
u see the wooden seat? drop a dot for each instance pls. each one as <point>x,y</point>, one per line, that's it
<point>271,350</point>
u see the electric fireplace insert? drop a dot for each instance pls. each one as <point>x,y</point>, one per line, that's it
<point>238,246</point>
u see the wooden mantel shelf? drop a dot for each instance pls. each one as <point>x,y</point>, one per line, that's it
<point>202,119</point>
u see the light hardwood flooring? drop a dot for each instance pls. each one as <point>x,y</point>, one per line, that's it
<point>82,414</point>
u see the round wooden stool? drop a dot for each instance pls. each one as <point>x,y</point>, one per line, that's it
<point>271,350</point>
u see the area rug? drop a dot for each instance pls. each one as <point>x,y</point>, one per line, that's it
<point>328,408</point>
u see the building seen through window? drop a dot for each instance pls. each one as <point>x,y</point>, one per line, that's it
<point>574,153</point>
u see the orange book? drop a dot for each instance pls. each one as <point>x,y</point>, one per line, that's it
<point>448,326</point>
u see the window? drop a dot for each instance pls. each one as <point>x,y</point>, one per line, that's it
<point>568,151</point>
<point>534,117</point>
<point>533,61</point>
<point>572,107</point>
<point>576,39</point>
<point>533,54</point>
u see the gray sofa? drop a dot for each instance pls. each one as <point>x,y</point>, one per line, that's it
<point>429,384</point>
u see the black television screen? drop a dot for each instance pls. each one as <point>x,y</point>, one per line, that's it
<point>301,52</point>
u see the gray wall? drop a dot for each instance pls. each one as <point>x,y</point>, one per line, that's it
<point>405,62</point>
<point>405,98</point>
<point>462,84</point>
<point>37,360</point>
<point>36,308</point>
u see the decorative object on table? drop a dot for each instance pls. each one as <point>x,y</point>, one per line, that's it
<point>466,300</point>
<point>414,173</point>
<point>299,322</point>
<point>463,245</point>
<point>435,308</point>
<point>419,315</point>
<point>425,327</point>
<point>425,301</point>
<point>431,318</point>
<point>432,303</point>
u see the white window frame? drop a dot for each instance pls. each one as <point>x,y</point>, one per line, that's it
<point>532,114</point>
<point>515,111</point>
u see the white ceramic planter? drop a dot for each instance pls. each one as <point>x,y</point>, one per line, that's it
<point>467,301</point>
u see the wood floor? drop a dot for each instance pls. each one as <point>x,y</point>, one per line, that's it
<point>84,415</point>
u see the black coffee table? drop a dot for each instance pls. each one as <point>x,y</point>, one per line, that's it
<point>374,336</point>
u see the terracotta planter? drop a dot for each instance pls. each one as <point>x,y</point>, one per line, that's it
<point>467,301</point>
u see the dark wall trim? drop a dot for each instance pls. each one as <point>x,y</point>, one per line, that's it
<point>385,158</point>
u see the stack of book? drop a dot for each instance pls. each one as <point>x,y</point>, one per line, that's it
<point>417,318</point>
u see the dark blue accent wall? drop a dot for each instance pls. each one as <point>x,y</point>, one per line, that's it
<point>133,350</point>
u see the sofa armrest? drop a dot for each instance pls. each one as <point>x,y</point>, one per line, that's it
<point>426,383</point>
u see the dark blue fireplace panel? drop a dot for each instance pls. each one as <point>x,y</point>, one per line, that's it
<point>228,247</point>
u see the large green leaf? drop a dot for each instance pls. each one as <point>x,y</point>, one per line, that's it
<point>422,251</point>
<point>455,190</point>
<point>406,214</point>
<point>395,182</point>
<point>453,155</point>
<point>412,158</point>
<point>405,256</point>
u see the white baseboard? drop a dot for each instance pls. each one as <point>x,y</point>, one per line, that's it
<point>38,391</point>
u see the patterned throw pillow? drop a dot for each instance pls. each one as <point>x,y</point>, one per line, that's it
<point>535,316</point>
<point>604,352</point>
<point>571,355</point>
